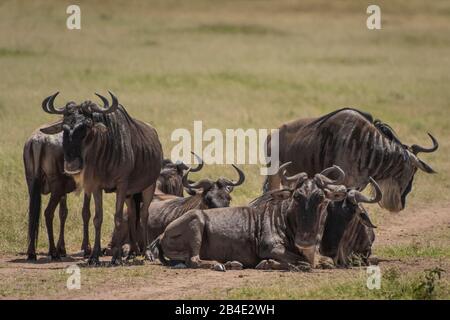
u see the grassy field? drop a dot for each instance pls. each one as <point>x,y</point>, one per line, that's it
<point>232,64</point>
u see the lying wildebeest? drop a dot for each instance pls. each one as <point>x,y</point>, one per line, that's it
<point>362,147</point>
<point>214,194</point>
<point>168,186</point>
<point>170,178</point>
<point>106,149</point>
<point>277,230</point>
<point>348,230</point>
<point>44,171</point>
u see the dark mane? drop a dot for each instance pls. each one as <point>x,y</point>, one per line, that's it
<point>387,131</point>
<point>184,204</point>
<point>324,118</point>
<point>382,127</point>
<point>265,198</point>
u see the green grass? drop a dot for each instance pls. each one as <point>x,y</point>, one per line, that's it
<point>232,64</point>
<point>414,250</point>
<point>421,285</point>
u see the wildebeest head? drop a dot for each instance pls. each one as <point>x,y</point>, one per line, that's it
<point>215,194</point>
<point>343,234</point>
<point>77,123</point>
<point>396,187</point>
<point>352,204</point>
<point>307,206</point>
<point>171,175</point>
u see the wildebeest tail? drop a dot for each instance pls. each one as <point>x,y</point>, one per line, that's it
<point>34,210</point>
<point>156,250</point>
<point>137,198</point>
<point>32,155</point>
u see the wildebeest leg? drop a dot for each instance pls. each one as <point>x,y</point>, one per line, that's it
<point>129,224</point>
<point>63,212</point>
<point>196,262</point>
<point>98,219</point>
<point>86,214</point>
<point>147,197</point>
<point>49,214</point>
<point>119,231</point>
<point>182,241</point>
<point>271,264</point>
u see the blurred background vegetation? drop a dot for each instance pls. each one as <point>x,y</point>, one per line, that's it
<point>232,64</point>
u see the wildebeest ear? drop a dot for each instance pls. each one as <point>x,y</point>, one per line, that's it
<point>281,194</point>
<point>420,164</point>
<point>365,220</point>
<point>424,167</point>
<point>53,128</point>
<point>100,127</point>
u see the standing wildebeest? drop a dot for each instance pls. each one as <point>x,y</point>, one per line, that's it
<point>277,230</point>
<point>348,230</point>
<point>214,194</point>
<point>44,171</point>
<point>106,149</point>
<point>360,146</point>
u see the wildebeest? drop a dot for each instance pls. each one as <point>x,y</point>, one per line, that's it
<point>277,230</point>
<point>168,186</point>
<point>213,194</point>
<point>105,149</point>
<point>362,147</point>
<point>170,178</point>
<point>44,161</point>
<point>348,229</point>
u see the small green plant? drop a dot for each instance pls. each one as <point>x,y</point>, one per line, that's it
<point>426,289</point>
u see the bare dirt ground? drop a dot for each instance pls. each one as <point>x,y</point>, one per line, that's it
<point>47,280</point>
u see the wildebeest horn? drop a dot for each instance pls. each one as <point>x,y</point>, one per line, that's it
<point>200,163</point>
<point>240,180</point>
<point>285,179</point>
<point>416,148</point>
<point>334,169</point>
<point>357,197</point>
<point>47,105</point>
<point>106,107</point>
<point>202,184</point>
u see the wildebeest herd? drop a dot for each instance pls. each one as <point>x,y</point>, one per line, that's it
<point>310,213</point>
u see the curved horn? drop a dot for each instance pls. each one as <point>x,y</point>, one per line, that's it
<point>285,180</point>
<point>357,197</point>
<point>334,169</point>
<point>416,148</point>
<point>181,165</point>
<point>202,184</point>
<point>200,163</point>
<point>240,180</point>
<point>47,105</point>
<point>106,107</point>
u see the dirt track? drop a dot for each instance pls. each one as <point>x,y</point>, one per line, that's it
<point>46,279</point>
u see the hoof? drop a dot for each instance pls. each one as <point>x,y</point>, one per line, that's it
<point>31,257</point>
<point>302,266</point>
<point>179,266</point>
<point>94,261</point>
<point>61,252</point>
<point>116,262</point>
<point>263,265</point>
<point>54,256</point>
<point>234,265</point>
<point>219,267</point>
